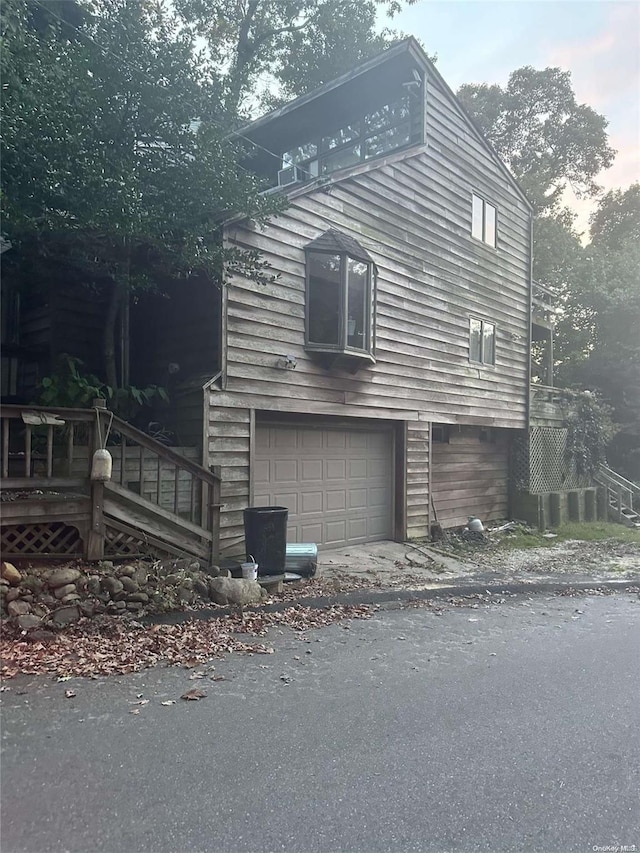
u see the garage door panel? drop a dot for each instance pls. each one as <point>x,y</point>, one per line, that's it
<point>335,532</point>
<point>336,469</point>
<point>337,483</point>
<point>284,471</point>
<point>311,502</point>
<point>357,468</point>
<point>311,469</point>
<point>336,500</point>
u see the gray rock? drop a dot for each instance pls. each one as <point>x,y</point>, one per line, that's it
<point>236,591</point>
<point>128,583</point>
<point>28,597</point>
<point>119,605</point>
<point>134,605</point>
<point>62,577</point>
<point>61,591</point>
<point>48,600</point>
<point>185,595</point>
<point>41,636</point>
<point>10,574</point>
<point>141,576</point>
<point>201,588</point>
<point>92,586</point>
<point>87,608</point>
<point>18,608</point>
<point>67,614</point>
<point>69,599</point>
<point>111,585</point>
<point>175,579</point>
<point>138,596</point>
<point>34,584</point>
<point>12,594</point>
<point>126,571</point>
<point>106,565</point>
<point>28,621</point>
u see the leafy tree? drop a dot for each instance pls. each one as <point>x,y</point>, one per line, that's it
<point>599,326</point>
<point>542,133</point>
<point>115,155</point>
<point>617,218</point>
<point>299,43</point>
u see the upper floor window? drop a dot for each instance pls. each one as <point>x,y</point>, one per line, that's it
<point>484,221</point>
<point>482,341</point>
<point>340,296</point>
<point>363,137</point>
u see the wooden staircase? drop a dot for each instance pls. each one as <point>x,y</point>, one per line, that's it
<point>622,495</point>
<point>158,502</point>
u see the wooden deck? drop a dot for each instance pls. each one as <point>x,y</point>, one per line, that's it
<point>158,502</point>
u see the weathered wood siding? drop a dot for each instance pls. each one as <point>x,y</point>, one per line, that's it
<point>417,483</point>
<point>470,477</point>
<point>230,433</point>
<point>412,212</point>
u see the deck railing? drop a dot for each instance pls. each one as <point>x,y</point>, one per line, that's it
<point>52,448</point>
<point>623,495</point>
<point>544,303</point>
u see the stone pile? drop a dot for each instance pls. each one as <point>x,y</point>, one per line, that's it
<point>41,597</point>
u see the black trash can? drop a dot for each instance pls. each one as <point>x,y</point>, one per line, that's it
<point>265,533</point>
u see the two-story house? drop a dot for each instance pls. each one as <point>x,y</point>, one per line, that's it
<point>376,385</point>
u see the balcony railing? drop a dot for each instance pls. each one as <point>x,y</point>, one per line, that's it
<point>544,305</point>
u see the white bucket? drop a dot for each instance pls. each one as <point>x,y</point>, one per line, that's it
<point>250,571</point>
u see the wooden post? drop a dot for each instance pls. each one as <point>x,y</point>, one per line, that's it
<point>5,447</point>
<point>95,542</point>
<point>214,515</point>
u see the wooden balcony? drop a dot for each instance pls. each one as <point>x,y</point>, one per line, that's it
<point>543,311</point>
<point>548,406</point>
<point>157,502</point>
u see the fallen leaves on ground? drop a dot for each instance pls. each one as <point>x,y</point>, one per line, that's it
<point>109,645</point>
<point>193,695</point>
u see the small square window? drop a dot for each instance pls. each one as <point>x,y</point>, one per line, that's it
<point>440,433</point>
<point>482,341</point>
<point>484,220</point>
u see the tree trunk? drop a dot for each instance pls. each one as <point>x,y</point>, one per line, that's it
<point>116,295</point>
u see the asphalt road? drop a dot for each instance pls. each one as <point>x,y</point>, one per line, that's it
<point>510,727</point>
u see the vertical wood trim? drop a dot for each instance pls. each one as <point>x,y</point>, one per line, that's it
<point>70,448</point>
<point>252,454</point>
<point>432,520</point>
<point>94,546</point>
<point>215,509</point>
<point>123,463</point>
<point>49,451</point>
<point>27,451</point>
<point>223,335</point>
<point>400,481</point>
<point>5,447</point>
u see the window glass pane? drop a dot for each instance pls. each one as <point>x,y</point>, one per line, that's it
<point>324,298</point>
<point>475,332</point>
<point>488,343</point>
<point>389,114</point>
<point>297,155</point>
<point>341,136</point>
<point>357,299</point>
<point>341,159</point>
<point>489,224</point>
<point>389,139</point>
<point>476,224</point>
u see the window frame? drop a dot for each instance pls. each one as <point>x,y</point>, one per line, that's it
<point>342,348</point>
<point>481,362</point>
<point>413,119</point>
<point>484,204</point>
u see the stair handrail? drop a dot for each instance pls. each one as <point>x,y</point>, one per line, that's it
<point>624,489</point>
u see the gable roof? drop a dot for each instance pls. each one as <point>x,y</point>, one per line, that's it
<point>336,241</point>
<point>395,62</point>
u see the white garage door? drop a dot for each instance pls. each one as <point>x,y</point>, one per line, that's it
<point>337,483</point>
